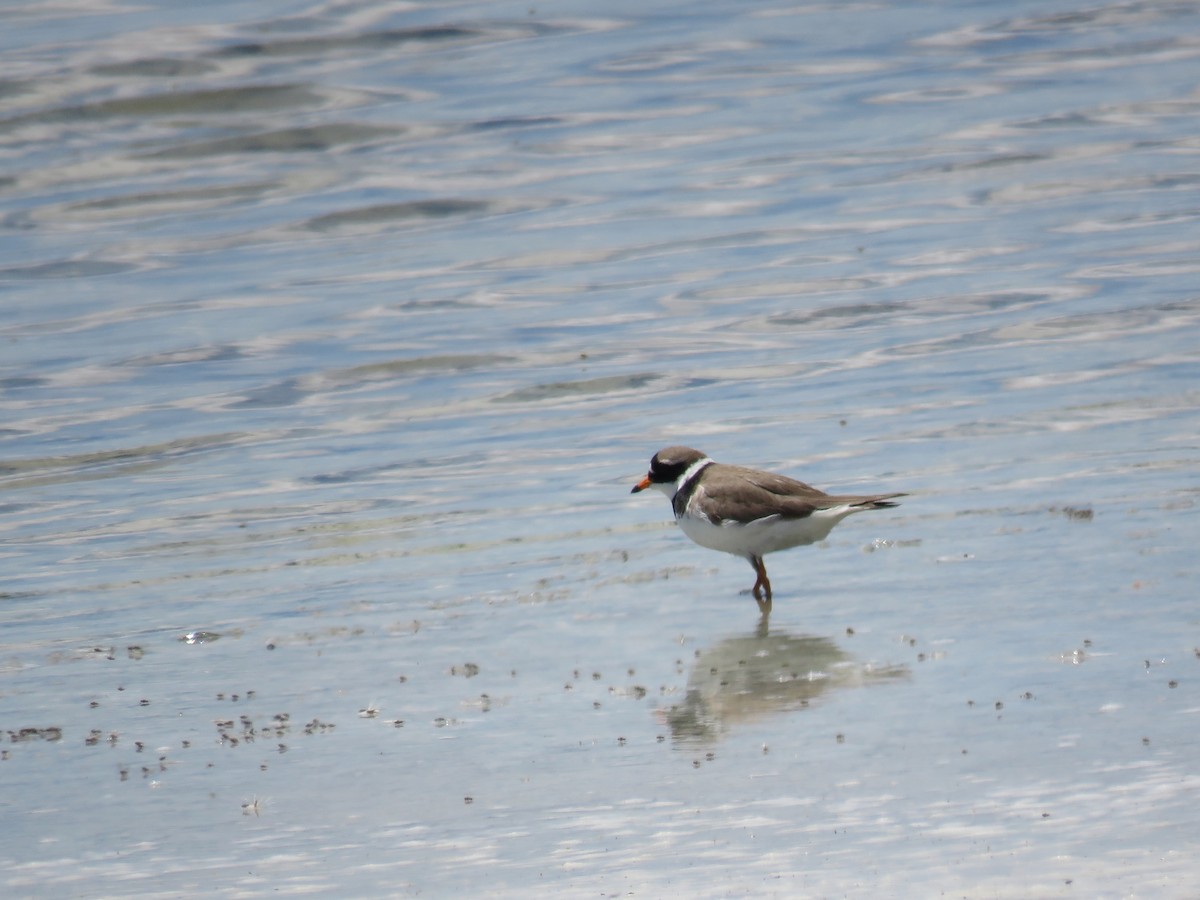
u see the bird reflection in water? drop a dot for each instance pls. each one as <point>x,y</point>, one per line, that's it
<point>744,679</point>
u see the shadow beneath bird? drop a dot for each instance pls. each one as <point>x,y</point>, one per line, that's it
<point>742,680</point>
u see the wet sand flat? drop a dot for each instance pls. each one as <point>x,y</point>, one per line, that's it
<point>334,338</point>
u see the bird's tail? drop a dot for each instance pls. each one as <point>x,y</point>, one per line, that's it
<point>883,501</point>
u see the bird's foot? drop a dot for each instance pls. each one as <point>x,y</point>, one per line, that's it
<point>762,584</point>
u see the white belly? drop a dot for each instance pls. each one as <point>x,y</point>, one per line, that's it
<point>763,535</point>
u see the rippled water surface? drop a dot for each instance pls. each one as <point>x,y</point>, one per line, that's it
<point>333,337</point>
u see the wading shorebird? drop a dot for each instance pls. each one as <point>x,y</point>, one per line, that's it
<point>747,512</point>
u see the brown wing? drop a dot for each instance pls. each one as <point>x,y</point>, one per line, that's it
<point>747,494</point>
<point>741,494</point>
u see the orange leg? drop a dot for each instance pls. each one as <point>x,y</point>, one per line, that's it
<point>762,585</point>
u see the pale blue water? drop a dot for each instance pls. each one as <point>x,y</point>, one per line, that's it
<point>340,333</point>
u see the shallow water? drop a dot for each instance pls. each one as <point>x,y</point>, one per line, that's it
<point>334,337</point>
